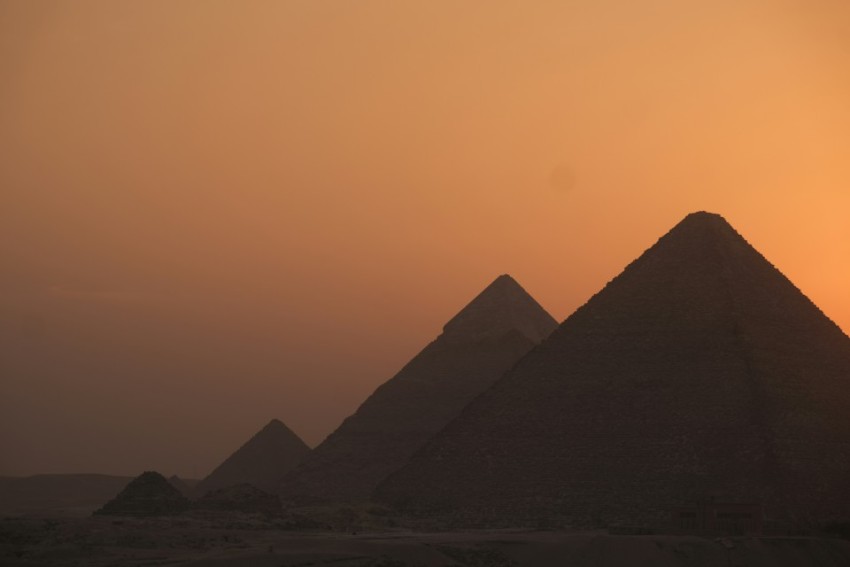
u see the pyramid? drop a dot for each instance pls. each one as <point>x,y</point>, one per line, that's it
<point>180,485</point>
<point>149,494</point>
<point>699,374</point>
<point>262,461</point>
<point>476,347</point>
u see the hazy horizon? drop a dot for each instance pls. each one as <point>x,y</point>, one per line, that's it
<point>216,214</point>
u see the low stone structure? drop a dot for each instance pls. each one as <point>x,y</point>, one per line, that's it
<point>243,497</point>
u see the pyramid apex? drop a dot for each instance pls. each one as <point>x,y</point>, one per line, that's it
<point>276,429</point>
<point>501,307</point>
<point>505,285</point>
<point>700,237</point>
<point>704,215</point>
<point>704,219</point>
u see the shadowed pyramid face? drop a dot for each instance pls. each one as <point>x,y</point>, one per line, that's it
<point>476,347</point>
<point>699,372</point>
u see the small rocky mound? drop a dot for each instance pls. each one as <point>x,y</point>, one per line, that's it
<point>240,498</point>
<point>149,494</point>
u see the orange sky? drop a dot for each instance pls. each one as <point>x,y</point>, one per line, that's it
<point>213,213</point>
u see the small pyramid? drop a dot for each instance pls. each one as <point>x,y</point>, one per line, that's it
<point>699,374</point>
<point>476,346</point>
<point>149,494</point>
<point>262,461</point>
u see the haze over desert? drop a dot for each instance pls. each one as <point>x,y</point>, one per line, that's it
<point>295,196</point>
<point>467,282</point>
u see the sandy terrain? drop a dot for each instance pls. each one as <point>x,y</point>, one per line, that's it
<point>135,542</point>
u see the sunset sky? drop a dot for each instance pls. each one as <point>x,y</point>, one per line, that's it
<point>214,213</point>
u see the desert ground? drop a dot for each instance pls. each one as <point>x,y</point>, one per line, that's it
<point>101,541</point>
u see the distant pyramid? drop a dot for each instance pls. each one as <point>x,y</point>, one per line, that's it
<point>149,494</point>
<point>477,346</point>
<point>700,372</point>
<point>180,485</point>
<point>262,461</point>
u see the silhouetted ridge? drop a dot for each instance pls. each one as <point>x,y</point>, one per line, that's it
<point>477,346</point>
<point>699,372</point>
<point>262,461</point>
<point>149,494</point>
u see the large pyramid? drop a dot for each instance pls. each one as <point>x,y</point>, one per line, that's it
<point>262,461</point>
<point>476,347</point>
<point>698,374</point>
